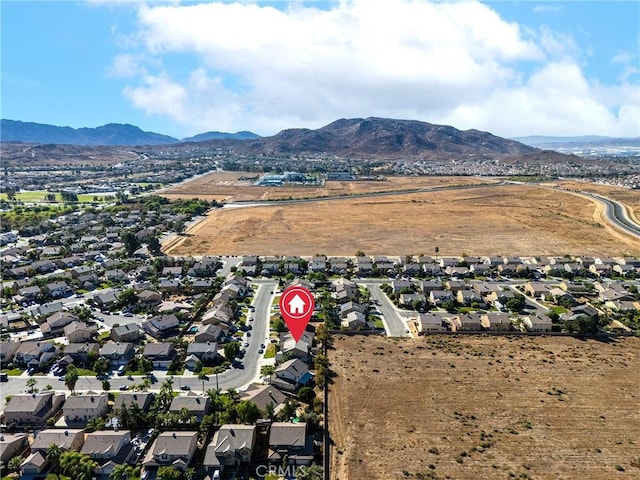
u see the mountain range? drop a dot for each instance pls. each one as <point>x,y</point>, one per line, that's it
<point>371,138</point>
<point>110,134</point>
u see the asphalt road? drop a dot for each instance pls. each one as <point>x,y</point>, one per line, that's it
<point>394,324</point>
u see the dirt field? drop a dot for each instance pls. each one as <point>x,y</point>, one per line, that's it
<point>476,407</point>
<point>228,186</point>
<point>507,220</point>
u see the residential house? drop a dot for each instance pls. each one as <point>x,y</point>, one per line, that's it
<point>105,300</point>
<point>160,354</point>
<point>79,409</point>
<point>34,353</point>
<point>29,293</point>
<point>11,445</point>
<point>209,333</point>
<point>79,332</point>
<point>533,323</point>
<point>291,374</point>
<point>118,353</point>
<point>300,349</point>
<point>428,286</point>
<point>409,299</point>
<point>496,322</point>
<point>32,409</point>
<point>468,297</point>
<point>115,275</point>
<point>206,352</point>
<point>161,326</point>
<point>470,322</point>
<point>69,439</point>
<point>34,465</point>
<point>54,325</point>
<point>129,332</point>
<point>438,297</point>
<point>108,449</point>
<point>196,405</point>
<point>7,351</point>
<point>354,320</point>
<point>536,289</point>
<point>232,445</point>
<point>430,323</point>
<point>142,400</point>
<point>399,285</point>
<point>58,289</point>
<point>149,298</point>
<point>263,395</point>
<point>174,449</point>
<point>80,352</point>
<point>220,313</point>
<point>290,441</point>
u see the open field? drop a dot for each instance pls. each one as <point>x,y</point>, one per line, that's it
<point>496,220</point>
<point>471,407</point>
<point>227,186</point>
<point>39,196</point>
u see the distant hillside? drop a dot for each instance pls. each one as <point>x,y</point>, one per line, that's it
<point>244,135</point>
<point>581,141</point>
<point>384,138</point>
<point>110,134</point>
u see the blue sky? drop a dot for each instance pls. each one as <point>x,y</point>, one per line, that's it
<point>511,68</point>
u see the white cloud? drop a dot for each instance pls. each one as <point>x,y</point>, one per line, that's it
<point>264,69</point>
<point>547,8</point>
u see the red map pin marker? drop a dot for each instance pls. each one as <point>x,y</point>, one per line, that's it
<point>296,307</point>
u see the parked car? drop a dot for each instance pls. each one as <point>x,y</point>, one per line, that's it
<point>185,387</point>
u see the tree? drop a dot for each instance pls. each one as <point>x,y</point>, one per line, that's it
<point>269,411</point>
<point>131,243</point>
<point>312,472</point>
<point>96,423</point>
<point>168,473</point>
<point>14,464</point>
<point>248,412</point>
<point>231,349</point>
<point>77,465</point>
<point>53,454</point>
<point>31,385</point>
<point>153,244</point>
<point>121,472</point>
<point>516,303</point>
<point>71,378</point>
<point>288,410</point>
<point>306,394</point>
<point>106,385</point>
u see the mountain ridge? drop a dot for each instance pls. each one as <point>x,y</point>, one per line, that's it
<point>110,134</point>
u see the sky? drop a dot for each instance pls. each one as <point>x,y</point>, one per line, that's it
<point>512,68</point>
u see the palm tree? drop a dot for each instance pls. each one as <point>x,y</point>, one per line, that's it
<point>53,454</point>
<point>96,423</point>
<point>71,378</point>
<point>31,384</point>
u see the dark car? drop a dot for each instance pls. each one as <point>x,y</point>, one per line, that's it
<point>185,387</point>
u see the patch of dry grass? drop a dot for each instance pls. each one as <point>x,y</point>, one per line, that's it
<point>484,407</point>
<point>507,220</point>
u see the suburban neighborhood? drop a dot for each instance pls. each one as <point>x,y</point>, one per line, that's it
<point>128,363</point>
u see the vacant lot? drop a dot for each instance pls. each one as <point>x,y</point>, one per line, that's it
<point>236,186</point>
<point>507,220</point>
<point>472,407</point>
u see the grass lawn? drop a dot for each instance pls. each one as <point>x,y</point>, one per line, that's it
<point>271,351</point>
<point>16,372</point>
<point>378,322</point>
<point>36,196</point>
<point>86,372</point>
<point>558,309</point>
<point>207,370</point>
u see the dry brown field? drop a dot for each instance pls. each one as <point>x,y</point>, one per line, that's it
<point>227,186</point>
<point>496,220</point>
<point>480,407</point>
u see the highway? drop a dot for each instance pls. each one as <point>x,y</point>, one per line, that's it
<point>616,214</point>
